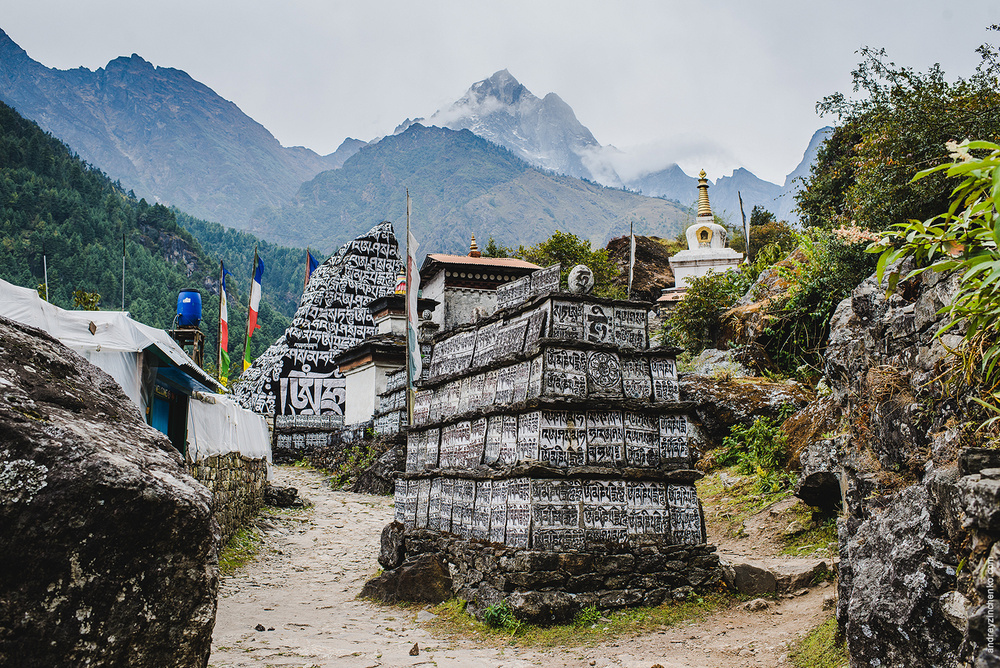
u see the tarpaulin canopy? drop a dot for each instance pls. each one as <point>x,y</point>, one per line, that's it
<point>114,342</point>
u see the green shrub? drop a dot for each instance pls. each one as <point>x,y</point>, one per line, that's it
<point>499,616</point>
<point>587,617</point>
<point>760,450</point>
<point>694,322</point>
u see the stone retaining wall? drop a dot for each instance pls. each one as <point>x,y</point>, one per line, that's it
<point>237,486</point>
<point>646,573</point>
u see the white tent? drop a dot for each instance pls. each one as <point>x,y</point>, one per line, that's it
<point>116,343</point>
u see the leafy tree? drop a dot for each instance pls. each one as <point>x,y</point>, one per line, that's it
<point>897,125</point>
<point>495,249</point>
<point>761,216</point>
<point>570,250</point>
<point>86,301</point>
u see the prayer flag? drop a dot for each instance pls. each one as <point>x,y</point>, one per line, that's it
<point>223,365</point>
<point>311,264</point>
<point>252,325</point>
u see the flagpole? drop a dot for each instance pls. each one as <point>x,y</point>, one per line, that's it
<point>246,346</point>
<point>409,285</point>
<point>123,271</point>
<point>45,269</point>
<point>746,228</point>
<point>222,289</point>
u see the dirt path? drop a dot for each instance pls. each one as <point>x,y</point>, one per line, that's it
<point>304,584</point>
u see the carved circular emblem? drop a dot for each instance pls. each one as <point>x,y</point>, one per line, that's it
<point>604,370</point>
<point>581,279</point>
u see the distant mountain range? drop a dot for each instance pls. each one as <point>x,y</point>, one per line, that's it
<point>460,185</point>
<point>173,140</point>
<point>164,135</point>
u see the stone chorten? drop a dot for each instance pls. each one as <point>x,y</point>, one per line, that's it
<point>549,457</point>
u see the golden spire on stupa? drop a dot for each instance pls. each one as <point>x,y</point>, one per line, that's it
<point>704,208</point>
<point>474,249</point>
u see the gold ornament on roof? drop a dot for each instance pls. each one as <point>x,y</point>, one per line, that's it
<point>474,249</point>
<point>704,208</point>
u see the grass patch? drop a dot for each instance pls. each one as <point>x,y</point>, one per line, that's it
<point>240,550</point>
<point>821,648</point>
<point>814,539</point>
<point>734,503</point>
<point>590,627</point>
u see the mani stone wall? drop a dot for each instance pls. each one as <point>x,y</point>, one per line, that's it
<point>548,428</point>
<point>297,375</point>
<point>237,486</point>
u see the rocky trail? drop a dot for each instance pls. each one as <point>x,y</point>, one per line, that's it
<point>301,591</point>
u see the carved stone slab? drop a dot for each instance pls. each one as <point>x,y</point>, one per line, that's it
<point>423,501</point>
<point>399,501</point>
<point>453,354</point>
<point>522,376</point>
<point>430,447</point>
<point>565,373</point>
<point>528,433</point>
<point>558,540</point>
<point>566,320</point>
<point>413,445</point>
<point>535,375</point>
<point>642,440</point>
<point>447,456</point>
<point>447,499</point>
<point>410,504</point>
<point>508,441</point>
<point>422,407</point>
<point>510,339</point>
<point>563,438</point>
<point>505,386</point>
<point>477,441</point>
<point>636,381</point>
<point>464,394</point>
<point>486,338</point>
<point>605,519</point>
<point>605,438</point>
<point>498,511</point>
<point>494,432</point>
<point>630,328</point>
<point>674,441</point>
<point>483,507</point>
<point>514,293</point>
<point>488,397</point>
<point>536,325</point>
<point>518,532</point>
<point>545,280</point>
<point>604,374</point>
<point>663,371</point>
<point>685,514</point>
<point>434,505</point>
<point>598,322</point>
<point>463,506</point>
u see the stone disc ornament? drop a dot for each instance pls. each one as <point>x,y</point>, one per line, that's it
<point>604,373</point>
<point>581,280</point>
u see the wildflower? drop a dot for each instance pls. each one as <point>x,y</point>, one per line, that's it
<point>958,151</point>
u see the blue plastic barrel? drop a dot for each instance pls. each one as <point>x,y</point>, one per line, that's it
<point>189,308</point>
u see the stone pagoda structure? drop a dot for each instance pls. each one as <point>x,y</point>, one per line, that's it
<point>707,250</point>
<point>549,457</point>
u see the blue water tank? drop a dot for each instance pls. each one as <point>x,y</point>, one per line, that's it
<point>189,308</point>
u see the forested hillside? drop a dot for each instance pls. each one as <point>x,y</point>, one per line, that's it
<point>52,204</point>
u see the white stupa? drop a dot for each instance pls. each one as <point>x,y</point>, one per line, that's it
<point>707,250</point>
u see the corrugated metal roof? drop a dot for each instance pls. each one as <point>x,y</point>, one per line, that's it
<point>481,261</point>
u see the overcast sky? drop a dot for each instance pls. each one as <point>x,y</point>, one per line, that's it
<point>716,84</point>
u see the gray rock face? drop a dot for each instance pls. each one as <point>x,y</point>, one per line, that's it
<point>108,553</point>
<point>890,599</point>
<point>916,507</point>
<point>819,480</point>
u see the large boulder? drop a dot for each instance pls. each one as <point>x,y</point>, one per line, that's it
<point>421,579</point>
<point>108,552</point>
<point>720,403</point>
